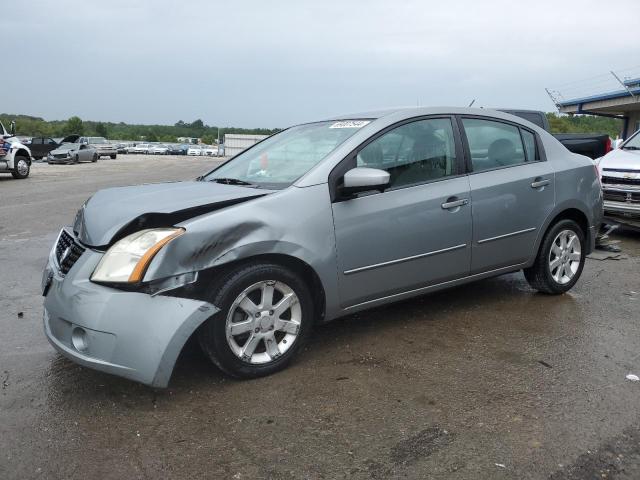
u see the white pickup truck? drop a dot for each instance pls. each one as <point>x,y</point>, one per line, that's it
<point>17,160</point>
<point>620,176</point>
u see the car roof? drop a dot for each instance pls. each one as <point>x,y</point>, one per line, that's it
<point>409,112</point>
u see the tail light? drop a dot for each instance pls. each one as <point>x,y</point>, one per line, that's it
<point>608,147</point>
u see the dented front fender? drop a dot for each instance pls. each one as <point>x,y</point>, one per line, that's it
<point>296,222</point>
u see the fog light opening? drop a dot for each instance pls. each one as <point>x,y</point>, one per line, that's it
<point>79,339</point>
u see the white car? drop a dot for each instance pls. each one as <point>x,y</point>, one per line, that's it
<point>210,150</point>
<point>194,150</point>
<point>620,177</point>
<point>159,149</point>
<point>139,148</point>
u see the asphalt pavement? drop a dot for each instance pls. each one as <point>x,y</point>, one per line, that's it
<point>485,381</point>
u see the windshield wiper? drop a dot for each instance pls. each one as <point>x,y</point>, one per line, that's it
<point>631,147</point>
<point>231,181</point>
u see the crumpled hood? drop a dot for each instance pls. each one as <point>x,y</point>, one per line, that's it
<point>63,150</point>
<point>115,212</point>
<point>621,159</point>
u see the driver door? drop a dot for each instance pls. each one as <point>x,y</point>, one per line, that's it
<point>83,153</point>
<point>418,231</point>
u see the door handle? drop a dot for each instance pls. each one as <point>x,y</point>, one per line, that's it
<point>540,183</point>
<point>454,204</point>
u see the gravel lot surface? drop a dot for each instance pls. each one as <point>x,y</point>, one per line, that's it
<point>485,381</point>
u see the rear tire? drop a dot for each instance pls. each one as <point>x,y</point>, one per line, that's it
<point>268,333</point>
<point>560,260</point>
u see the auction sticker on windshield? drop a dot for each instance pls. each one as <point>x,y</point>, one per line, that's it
<point>350,124</point>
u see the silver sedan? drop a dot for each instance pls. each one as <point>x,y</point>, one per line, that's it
<point>73,153</point>
<point>318,221</point>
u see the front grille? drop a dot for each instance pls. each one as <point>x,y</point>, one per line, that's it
<point>67,252</point>
<point>626,197</point>
<point>620,181</point>
<point>60,155</point>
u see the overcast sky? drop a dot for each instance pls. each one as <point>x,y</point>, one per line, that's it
<point>274,63</point>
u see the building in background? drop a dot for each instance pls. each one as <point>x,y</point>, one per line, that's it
<point>614,95</point>
<point>234,143</point>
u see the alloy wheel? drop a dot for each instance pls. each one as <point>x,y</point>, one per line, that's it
<point>263,322</point>
<point>565,256</point>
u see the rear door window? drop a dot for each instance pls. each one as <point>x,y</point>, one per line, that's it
<point>493,144</point>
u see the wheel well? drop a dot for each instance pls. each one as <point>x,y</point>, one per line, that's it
<point>305,271</point>
<point>308,274</point>
<point>22,152</point>
<point>578,217</point>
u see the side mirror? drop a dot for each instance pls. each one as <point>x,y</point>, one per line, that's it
<point>13,127</point>
<point>364,179</point>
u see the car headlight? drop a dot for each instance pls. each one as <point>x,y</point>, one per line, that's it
<point>127,260</point>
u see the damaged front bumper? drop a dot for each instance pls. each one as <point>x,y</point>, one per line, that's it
<point>131,334</point>
<point>622,208</point>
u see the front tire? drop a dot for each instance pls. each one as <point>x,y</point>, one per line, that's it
<point>22,167</point>
<point>266,315</point>
<point>95,158</point>
<point>113,157</point>
<point>560,260</point>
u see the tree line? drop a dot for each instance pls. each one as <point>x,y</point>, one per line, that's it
<point>585,124</point>
<point>30,126</point>
<point>36,127</point>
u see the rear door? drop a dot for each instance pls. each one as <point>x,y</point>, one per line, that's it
<point>85,153</point>
<point>37,147</point>
<point>512,191</point>
<point>418,231</point>
<point>49,144</point>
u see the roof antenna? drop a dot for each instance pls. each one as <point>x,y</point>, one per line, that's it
<point>472,102</point>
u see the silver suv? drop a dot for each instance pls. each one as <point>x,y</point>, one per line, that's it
<point>102,146</point>
<point>318,221</point>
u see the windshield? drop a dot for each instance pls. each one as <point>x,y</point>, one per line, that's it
<point>633,143</point>
<point>97,140</point>
<point>281,159</point>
